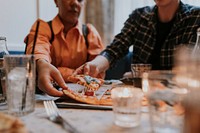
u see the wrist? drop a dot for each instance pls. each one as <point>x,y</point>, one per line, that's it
<point>102,63</point>
<point>39,61</point>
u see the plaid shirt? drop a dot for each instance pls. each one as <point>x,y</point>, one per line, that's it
<point>140,31</point>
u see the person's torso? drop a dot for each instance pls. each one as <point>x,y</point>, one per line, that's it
<point>69,51</point>
<point>182,31</point>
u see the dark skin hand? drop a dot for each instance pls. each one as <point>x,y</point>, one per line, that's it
<point>47,74</point>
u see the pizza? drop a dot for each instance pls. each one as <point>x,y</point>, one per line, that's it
<point>91,84</point>
<point>11,124</point>
<point>105,100</point>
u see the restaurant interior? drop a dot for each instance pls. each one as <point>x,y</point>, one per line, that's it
<point>145,101</point>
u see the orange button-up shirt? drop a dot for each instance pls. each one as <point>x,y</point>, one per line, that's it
<point>66,52</point>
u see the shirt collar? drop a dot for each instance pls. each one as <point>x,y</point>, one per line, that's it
<point>58,26</point>
<point>183,13</point>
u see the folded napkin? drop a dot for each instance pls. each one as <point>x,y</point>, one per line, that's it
<point>10,124</point>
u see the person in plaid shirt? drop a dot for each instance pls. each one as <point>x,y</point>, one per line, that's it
<point>155,32</point>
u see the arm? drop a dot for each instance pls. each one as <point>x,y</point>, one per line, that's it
<point>118,48</point>
<point>94,41</point>
<point>47,73</point>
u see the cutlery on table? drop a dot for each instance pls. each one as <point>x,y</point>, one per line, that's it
<point>54,116</point>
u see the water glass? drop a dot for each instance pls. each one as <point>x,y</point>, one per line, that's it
<point>192,112</point>
<point>137,71</point>
<point>20,84</point>
<point>165,100</point>
<point>126,105</point>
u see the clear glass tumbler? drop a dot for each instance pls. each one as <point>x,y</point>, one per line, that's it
<point>165,99</point>
<point>126,105</point>
<point>20,84</point>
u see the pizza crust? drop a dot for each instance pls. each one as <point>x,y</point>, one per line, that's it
<point>105,100</point>
<point>10,124</point>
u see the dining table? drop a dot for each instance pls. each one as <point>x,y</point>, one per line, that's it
<point>84,120</point>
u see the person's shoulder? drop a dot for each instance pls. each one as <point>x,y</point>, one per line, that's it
<point>192,9</point>
<point>143,12</point>
<point>91,28</point>
<point>44,27</point>
<point>43,24</point>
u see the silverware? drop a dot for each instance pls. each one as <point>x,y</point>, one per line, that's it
<point>54,116</point>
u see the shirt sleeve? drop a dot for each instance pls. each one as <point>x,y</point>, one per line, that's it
<point>42,47</point>
<point>94,41</point>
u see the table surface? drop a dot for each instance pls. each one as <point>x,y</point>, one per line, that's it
<point>86,121</point>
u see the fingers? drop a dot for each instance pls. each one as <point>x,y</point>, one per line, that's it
<point>48,74</point>
<point>102,75</point>
<point>91,70</point>
<point>46,86</point>
<point>79,70</point>
<point>59,80</point>
<point>87,69</point>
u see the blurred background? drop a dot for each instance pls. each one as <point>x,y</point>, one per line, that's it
<point>107,16</point>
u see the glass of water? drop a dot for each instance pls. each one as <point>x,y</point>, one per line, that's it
<point>126,105</point>
<point>165,99</point>
<point>20,84</point>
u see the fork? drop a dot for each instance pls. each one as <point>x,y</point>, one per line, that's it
<point>54,116</point>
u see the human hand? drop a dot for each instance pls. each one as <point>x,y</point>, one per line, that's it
<point>94,68</point>
<point>47,74</point>
<point>128,75</point>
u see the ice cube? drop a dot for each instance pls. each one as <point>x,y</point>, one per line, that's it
<point>18,73</point>
<point>17,78</point>
<point>18,89</point>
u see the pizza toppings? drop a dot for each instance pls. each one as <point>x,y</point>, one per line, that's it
<point>91,84</point>
<point>89,93</point>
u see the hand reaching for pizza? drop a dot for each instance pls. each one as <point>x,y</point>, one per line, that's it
<point>94,68</point>
<point>46,74</point>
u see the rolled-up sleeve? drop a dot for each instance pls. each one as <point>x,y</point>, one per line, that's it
<point>42,47</point>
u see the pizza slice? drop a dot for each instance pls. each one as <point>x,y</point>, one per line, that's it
<point>10,124</point>
<point>105,99</point>
<point>91,84</point>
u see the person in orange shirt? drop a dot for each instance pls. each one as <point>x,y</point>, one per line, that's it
<point>57,60</point>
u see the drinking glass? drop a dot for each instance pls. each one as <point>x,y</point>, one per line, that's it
<point>20,84</point>
<point>126,105</point>
<point>192,112</point>
<point>137,71</point>
<point>165,100</point>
